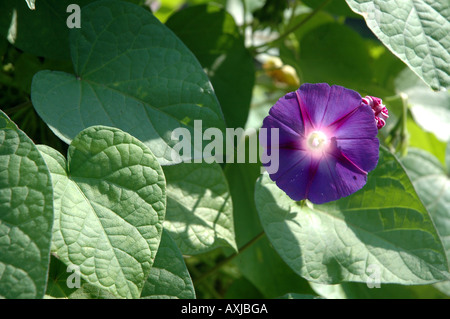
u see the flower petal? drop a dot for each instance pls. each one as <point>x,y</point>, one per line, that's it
<point>359,124</point>
<point>324,104</point>
<point>294,173</point>
<point>363,153</point>
<point>342,101</point>
<point>287,111</point>
<point>286,136</point>
<point>313,100</point>
<point>335,179</point>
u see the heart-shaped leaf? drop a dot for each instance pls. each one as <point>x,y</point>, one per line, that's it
<point>169,277</point>
<point>109,199</point>
<point>26,215</point>
<point>199,208</point>
<point>382,232</point>
<point>432,183</point>
<point>417,31</point>
<point>41,31</point>
<point>431,110</point>
<point>131,72</point>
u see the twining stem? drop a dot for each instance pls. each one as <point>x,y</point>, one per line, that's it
<point>228,259</point>
<point>397,140</point>
<point>404,130</point>
<point>294,27</point>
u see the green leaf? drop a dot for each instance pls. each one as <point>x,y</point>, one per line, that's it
<point>443,287</point>
<point>383,228</point>
<point>349,290</point>
<point>88,291</point>
<point>334,53</point>
<point>26,215</point>
<point>131,72</point>
<point>431,110</point>
<point>427,141</point>
<point>447,157</point>
<point>241,288</point>
<point>41,31</point>
<point>109,208</point>
<point>432,184</point>
<point>57,279</point>
<point>259,259</point>
<point>199,208</point>
<point>298,296</point>
<point>213,36</point>
<point>165,8</point>
<point>169,277</point>
<point>31,4</point>
<point>417,31</point>
<point>335,7</point>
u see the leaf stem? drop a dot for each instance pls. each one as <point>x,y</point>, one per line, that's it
<point>404,129</point>
<point>228,259</point>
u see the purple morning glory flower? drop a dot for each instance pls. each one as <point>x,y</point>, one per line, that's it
<point>327,142</point>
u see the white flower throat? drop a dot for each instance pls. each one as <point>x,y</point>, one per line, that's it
<point>317,141</point>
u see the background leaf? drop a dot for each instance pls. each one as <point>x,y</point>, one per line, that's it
<point>31,4</point>
<point>169,277</point>
<point>89,291</point>
<point>336,54</point>
<point>199,208</point>
<point>26,215</point>
<point>131,72</point>
<point>350,290</point>
<point>417,31</point>
<point>427,141</point>
<point>109,208</point>
<point>57,279</point>
<point>432,183</point>
<point>212,35</point>
<point>335,7</point>
<point>260,259</point>
<point>384,225</point>
<point>43,31</point>
<point>431,110</point>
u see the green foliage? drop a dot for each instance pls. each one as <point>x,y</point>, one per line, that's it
<point>169,277</point>
<point>212,35</point>
<point>432,181</point>
<point>26,214</point>
<point>131,72</point>
<point>199,208</point>
<point>121,217</point>
<point>43,31</point>
<point>414,30</point>
<point>431,110</point>
<point>110,198</point>
<point>383,227</point>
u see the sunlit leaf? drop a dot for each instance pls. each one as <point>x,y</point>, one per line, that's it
<point>383,229</point>
<point>199,208</point>
<point>26,215</point>
<point>109,207</point>
<point>169,277</point>
<point>131,72</point>
<point>417,31</point>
